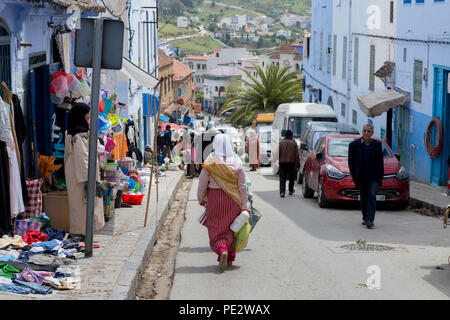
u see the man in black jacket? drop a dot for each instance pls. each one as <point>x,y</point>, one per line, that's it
<point>365,160</point>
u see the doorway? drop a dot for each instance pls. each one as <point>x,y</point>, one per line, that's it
<point>401,134</point>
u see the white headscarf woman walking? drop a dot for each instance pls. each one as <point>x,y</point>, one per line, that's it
<point>223,182</point>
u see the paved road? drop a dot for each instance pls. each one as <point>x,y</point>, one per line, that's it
<point>295,253</point>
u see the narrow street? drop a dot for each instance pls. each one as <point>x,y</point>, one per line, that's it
<point>295,252</point>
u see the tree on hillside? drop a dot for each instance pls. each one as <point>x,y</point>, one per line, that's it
<point>273,87</point>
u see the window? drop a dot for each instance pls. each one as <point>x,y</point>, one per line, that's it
<point>314,51</point>
<point>217,89</point>
<point>356,62</point>
<point>321,52</point>
<point>372,69</point>
<point>391,16</point>
<point>354,117</point>
<point>404,54</point>
<point>418,75</point>
<point>343,109</point>
<point>420,1</point>
<point>334,54</point>
<point>5,55</point>
<point>329,54</point>
<point>344,59</point>
<point>407,1</point>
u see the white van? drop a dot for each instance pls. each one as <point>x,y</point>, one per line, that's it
<point>296,116</point>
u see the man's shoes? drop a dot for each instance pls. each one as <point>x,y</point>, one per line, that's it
<point>364,222</point>
<point>282,194</point>
<point>291,192</point>
<point>369,225</point>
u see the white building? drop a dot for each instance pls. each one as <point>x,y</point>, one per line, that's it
<point>262,27</point>
<point>290,20</point>
<point>284,33</point>
<point>216,82</point>
<point>182,22</point>
<point>199,64</point>
<point>236,22</point>
<point>286,56</point>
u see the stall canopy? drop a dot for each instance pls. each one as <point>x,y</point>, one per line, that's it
<point>375,104</point>
<point>132,71</point>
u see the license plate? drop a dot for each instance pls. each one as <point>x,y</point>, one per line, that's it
<point>379,197</point>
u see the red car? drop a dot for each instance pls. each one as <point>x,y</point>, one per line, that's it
<point>326,172</point>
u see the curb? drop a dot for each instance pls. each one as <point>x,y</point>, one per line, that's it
<point>127,284</point>
<point>417,203</point>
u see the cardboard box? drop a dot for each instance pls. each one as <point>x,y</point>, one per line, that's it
<point>56,207</point>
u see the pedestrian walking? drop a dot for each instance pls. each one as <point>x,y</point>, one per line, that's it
<point>168,142</point>
<point>161,142</point>
<point>365,160</point>
<point>252,149</point>
<point>289,162</point>
<point>222,189</point>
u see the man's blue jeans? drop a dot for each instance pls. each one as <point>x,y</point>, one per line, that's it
<point>368,199</point>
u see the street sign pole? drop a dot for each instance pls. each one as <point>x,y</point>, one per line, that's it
<point>93,135</point>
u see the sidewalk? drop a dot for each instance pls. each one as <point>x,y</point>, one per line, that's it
<point>115,268</point>
<point>429,197</point>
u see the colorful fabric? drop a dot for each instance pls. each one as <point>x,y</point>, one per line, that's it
<point>32,236</point>
<point>33,207</point>
<point>29,275</point>
<point>221,211</point>
<point>21,226</point>
<point>15,241</point>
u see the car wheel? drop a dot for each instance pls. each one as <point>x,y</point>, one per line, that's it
<point>321,199</point>
<point>307,192</point>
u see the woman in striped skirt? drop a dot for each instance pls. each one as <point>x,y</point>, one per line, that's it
<point>224,200</point>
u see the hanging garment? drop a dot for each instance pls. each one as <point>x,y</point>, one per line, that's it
<point>76,159</point>
<point>16,200</point>
<point>121,149</point>
<point>5,207</point>
<point>21,134</point>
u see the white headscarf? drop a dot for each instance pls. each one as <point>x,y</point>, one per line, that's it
<point>251,133</point>
<point>222,146</point>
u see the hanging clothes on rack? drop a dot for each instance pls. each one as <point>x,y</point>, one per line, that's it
<point>133,151</point>
<point>16,199</point>
<point>21,134</point>
<point>5,208</point>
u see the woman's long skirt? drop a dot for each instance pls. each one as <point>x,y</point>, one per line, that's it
<point>220,212</point>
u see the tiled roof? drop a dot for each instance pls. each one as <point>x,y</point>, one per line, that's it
<point>288,50</point>
<point>163,59</point>
<point>180,70</point>
<point>196,58</point>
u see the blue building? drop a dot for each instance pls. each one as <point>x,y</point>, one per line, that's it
<point>422,69</point>
<point>366,55</point>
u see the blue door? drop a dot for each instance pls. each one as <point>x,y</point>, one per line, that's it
<point>441,106</point>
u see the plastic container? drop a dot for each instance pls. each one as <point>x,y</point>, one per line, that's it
<point>239,222</point>
<point>133,199</point>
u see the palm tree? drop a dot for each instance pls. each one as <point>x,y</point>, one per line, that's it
<point>273,87</point>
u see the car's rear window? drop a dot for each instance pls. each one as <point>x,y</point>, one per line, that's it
<point>338,147</point>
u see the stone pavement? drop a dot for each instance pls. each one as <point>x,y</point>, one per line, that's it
<point>429,197</point>
<point>116,267</point>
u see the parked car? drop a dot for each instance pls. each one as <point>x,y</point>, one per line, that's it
<point>326,172</point>
<point>313,132</point>
<point>295,116</point>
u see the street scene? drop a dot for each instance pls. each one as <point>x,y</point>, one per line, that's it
<point>224,151</point>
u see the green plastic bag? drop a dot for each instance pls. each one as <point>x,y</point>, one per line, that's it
<point>45,222</point>
<point>241,238</point>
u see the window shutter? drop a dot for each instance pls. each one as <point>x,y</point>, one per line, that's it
<point>321,52</point>
<point>329,54</point>
<point>344,59</point>
<point>372,69</point>
<point>356,62</point>
<point>418,73</point>
<point>334,54</point>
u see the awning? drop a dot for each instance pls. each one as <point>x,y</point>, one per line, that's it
<point>375,104</point>
<point>171,108</point>
<point>84,5</point>
<point>132,71</point>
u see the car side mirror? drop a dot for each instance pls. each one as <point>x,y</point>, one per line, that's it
<point>319,156</point>
<point>397,156</point>
<point>283,132</point>
<point>303,146</point>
